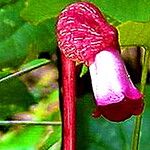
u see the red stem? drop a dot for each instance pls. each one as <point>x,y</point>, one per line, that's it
<point>69,104</point>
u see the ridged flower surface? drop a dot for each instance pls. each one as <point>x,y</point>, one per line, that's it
<point>82,32</point>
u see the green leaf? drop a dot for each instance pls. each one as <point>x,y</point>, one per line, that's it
<point>111,20</point>
<point>46,36</point>
<point>95,134</point>
<point>15,48</point>
<point>34,64</point>
<point>50,102</point>
<point>14,97</point>
<point>30,138</point>
<point>12,48</point>
<point>56,146</point>
<point>6,2</point>
<point>20,40</point>
<point>25,68</point>
<point>125,10</point>
<point>134,33</point>
<point>24,139</point>
<point>10,20</point>
<point>51,140</point>
<point>26,41</point>
<point>83,71</point>
<point>37,11</point>
<point>36,137</point>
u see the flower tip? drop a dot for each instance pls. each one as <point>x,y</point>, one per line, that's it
<point>120,111</point>
<point>97,113</point>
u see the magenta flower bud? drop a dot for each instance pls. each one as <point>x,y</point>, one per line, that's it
<point>116,96</point>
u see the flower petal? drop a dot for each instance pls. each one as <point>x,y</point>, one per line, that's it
<point>110,80</point>
<point>120,111</point>
<point>116,97</point>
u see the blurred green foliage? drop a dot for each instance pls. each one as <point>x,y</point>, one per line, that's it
<point>138,33</point>
<point>27,29</point>
<point>37,11</point>
<point>19,40</point>
<point>14,97</point>
<point>95,134</point>
<point>125,10</point>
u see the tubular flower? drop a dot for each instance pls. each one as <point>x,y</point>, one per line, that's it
<point>85,36</point>
<point>116,97</point>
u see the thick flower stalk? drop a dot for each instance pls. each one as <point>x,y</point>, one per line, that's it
<point>84,36</point>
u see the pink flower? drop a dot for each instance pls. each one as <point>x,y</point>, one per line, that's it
<point>116,97</point>
<point>85,36</point>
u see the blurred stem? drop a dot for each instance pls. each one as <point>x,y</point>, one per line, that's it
<point>25,70</point>
<point>69,104</point>
<point>19,122</point>
<point>138,120</point>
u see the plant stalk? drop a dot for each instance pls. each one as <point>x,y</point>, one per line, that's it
<point>138,120</point>
<point>69,104</point>
<point>22,122</point>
